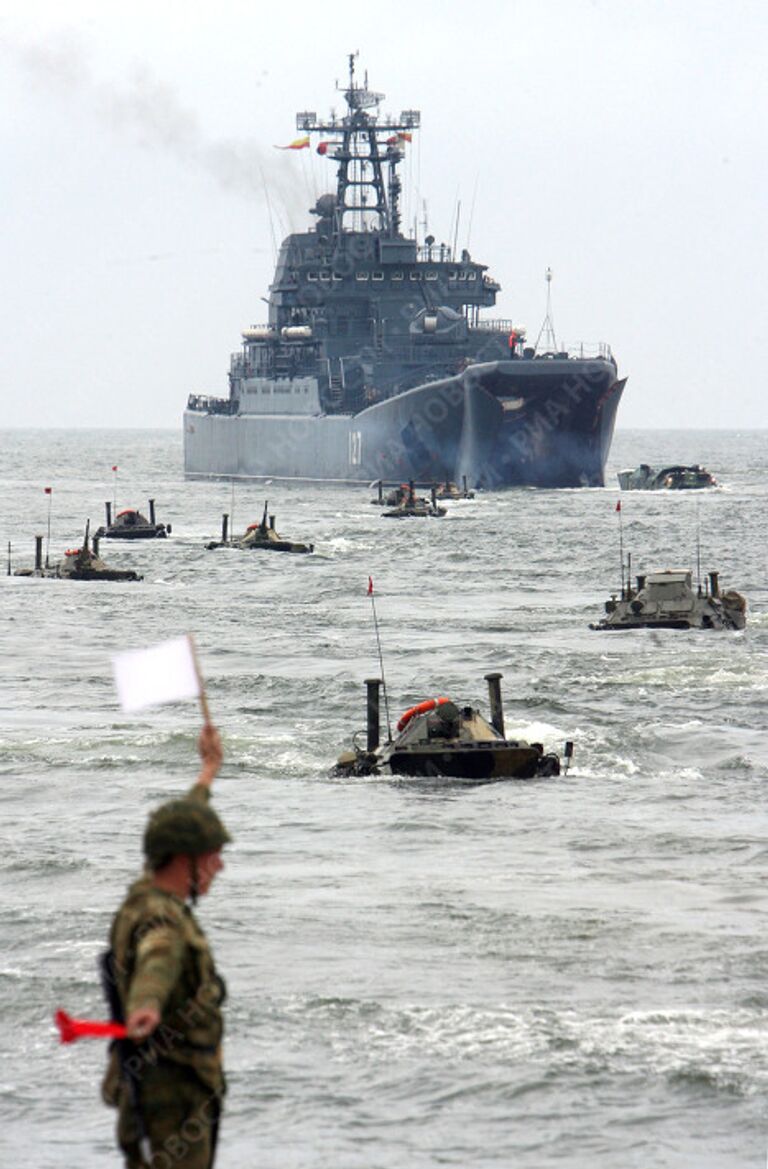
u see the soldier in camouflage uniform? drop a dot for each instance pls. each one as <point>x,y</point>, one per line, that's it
<point>166,1079</point>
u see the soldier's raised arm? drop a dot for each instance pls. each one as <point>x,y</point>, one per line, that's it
<point>211,754</point>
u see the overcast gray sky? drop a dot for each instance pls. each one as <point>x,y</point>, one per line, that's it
<point>620,142</point>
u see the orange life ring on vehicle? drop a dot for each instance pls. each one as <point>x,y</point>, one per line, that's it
<point>421,708</point>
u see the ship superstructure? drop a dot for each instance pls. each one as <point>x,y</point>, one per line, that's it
<point>375,361</point>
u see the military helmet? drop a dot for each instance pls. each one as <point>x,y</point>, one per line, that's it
<point>182,828</point>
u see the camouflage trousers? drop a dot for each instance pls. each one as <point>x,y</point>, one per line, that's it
<point>180,1115</point>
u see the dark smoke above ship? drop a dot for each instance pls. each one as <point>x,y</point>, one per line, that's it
<point>375,361</point>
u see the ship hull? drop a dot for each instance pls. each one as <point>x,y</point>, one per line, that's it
<point>506,423</point>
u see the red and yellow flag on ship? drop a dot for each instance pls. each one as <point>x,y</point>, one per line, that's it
<point>297,144</point>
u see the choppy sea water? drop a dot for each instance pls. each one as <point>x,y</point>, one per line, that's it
<point>566,971</point>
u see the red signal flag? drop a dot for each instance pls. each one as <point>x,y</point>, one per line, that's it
<point>370,586</point>
<point>48,490</point>
<point>618,506</point>
<point>72,1029</point>
<point>322,147</point>
<point>114,468</point>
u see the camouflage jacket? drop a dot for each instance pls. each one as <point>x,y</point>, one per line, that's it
<point>162,959</point>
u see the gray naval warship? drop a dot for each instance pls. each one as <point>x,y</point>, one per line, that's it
<point>375,362</point>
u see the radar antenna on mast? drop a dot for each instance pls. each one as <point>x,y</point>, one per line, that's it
<point>367,147</point>
<point>547,330</point>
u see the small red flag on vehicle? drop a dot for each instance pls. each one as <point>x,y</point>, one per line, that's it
<point>618,506</point>
<point>114,468</point>
<point>370,586</point>
<point>47,490</point>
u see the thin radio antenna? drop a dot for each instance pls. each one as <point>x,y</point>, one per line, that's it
<point>381,658</point>
<point>456,230</point>
<point>472,210</point>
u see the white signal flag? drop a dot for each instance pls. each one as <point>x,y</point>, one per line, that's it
<point>161,673</point>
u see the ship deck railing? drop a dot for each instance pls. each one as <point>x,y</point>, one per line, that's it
<point>287,370</point>
<point>435,254</point>
<point>583,349</point>
<point>206,404</point>
<point>280,361</point>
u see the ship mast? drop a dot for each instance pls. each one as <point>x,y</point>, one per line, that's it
<point>364,147</point>
<point>547,330</point>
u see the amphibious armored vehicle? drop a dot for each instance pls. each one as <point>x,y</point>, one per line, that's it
<point>130,524</point>
<point>674,478</point>
<point>400,492</point>
<point>440,738</point>
<point>453,491</point>
<point>668,600</point>
<point>77,564</point>
<point>261,537</point>
<point>409,504</point>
